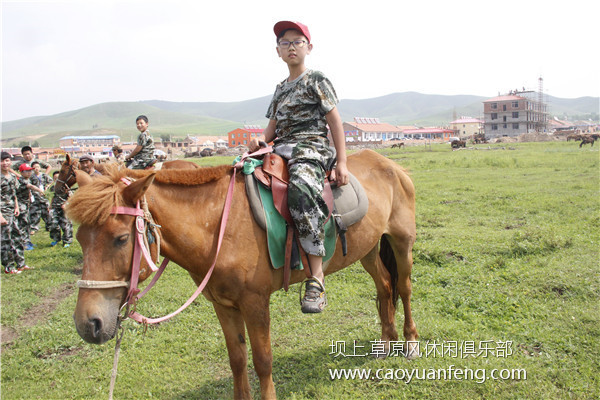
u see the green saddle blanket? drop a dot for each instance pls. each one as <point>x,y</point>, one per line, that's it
<point>277,227</point>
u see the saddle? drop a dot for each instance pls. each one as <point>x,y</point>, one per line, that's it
<point>266,188</point>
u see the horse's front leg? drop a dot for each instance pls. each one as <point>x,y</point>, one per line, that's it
<point>255,310</point>
<point>235,337</point>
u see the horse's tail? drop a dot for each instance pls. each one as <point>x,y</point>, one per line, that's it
<point>386,253</point>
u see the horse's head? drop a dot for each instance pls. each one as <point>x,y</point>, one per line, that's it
<point>107,241</point>
<point>66,176</point>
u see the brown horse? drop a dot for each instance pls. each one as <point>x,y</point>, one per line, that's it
<point>458,143</point>
<point>398,145</point>
<point>587,140</point>
<point>66,173</point>
<point>188,207</point>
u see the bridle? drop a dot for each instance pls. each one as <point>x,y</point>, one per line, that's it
<point>71,175</point>
<point>142,221</point>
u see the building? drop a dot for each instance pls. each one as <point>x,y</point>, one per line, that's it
<point>370,129</point>
<point>429,133</point>
<point>93,145</point>
<point>465,127</point>
<point>242,136</point>
<point>514,114</point>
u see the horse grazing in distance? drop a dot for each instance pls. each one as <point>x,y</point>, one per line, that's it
<point>188,207</point>
<point>458,143</point>
<point>587,140</point>
<point>398,145</point>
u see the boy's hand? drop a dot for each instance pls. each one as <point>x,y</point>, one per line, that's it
<point>3,221</point>
<point>253,145</point>
<point>341,174</point>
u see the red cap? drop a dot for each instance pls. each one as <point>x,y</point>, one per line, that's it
<point>24,167</point>
<point>284,25</point>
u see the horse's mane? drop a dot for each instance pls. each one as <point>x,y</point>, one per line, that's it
<point>93,202</point>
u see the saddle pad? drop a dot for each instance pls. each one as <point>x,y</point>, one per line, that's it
<point>350,201</point>
<point>277,231</point>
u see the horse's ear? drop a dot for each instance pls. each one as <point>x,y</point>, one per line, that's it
<point>83,178</point>
<point>67,159</point>
<point>137,189</point>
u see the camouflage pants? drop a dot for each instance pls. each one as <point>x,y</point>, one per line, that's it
<point>307,162</point>
<point>139,163</point>
<point>40,209</point>
<point>23,223</point>
<point>59,223</point>
<point>12,244</point>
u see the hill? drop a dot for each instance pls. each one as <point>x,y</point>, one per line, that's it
<point>217,118</point>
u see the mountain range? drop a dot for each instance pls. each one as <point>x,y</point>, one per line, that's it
<point>179,119</point>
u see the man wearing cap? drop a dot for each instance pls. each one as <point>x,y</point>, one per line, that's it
<point>27,153</point>
<point>303,106</point>
<point>24,198</point>
<point>86,163</point>
<point>12,253</point>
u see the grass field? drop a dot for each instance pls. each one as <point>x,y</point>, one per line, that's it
<point>506,281</point>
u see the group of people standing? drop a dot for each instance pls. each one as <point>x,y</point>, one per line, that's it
<point>24,185</point>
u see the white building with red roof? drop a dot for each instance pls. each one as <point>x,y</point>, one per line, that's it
<point>370,130</point>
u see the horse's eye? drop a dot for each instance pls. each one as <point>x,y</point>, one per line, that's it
<point>121,240</point>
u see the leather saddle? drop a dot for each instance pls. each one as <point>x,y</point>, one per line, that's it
<point>347,205</point>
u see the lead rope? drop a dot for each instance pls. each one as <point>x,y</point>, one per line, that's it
<point>113,375</point>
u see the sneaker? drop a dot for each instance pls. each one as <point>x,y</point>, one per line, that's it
<point>29,246</point>
<point>12,271</point>
<point>25,268</point>
<point>315,299</point>
<point>53,243</point>
<point>66,245</point>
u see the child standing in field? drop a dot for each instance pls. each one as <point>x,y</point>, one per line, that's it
<point>302,107</point>
<point>13,259</point>
<point>143,153</point>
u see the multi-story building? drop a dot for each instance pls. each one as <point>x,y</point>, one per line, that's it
<point>515,114</point>
<point>242,136</point>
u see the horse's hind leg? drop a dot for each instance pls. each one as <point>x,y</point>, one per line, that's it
<point>385,304</point>
<point>401,260</point>
<point>235,338</point>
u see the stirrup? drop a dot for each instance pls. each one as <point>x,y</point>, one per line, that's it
<point>313,301</point>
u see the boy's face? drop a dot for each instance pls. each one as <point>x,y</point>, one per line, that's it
<point>27,155</point>
<point>142,125</point>
<point>26,174</point>
<point>6,163</point>
<point>55,176</point>
<point>293,55</point>
<point>36,168</point>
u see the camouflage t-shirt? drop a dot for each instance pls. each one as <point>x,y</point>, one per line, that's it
<point>8,190</point>
<point>24,193</point>
<point>147,143</point>
<point>17,164</point>
<point>300,106</point>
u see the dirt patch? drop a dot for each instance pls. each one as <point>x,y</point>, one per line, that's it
<point>37,314</point>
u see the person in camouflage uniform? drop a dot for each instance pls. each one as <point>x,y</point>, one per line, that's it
<point>144,151</point>
<point>302,107</point>
<point>60,222</point>
<point>28,158</point>
<point>40,208</point>
<point>12,251</point>
<point>24,196</point>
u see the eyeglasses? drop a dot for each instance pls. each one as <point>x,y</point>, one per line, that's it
<point>285,44</point>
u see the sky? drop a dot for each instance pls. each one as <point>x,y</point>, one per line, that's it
<point>59,56</point>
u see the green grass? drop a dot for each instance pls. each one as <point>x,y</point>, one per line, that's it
<point>507,253</point>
